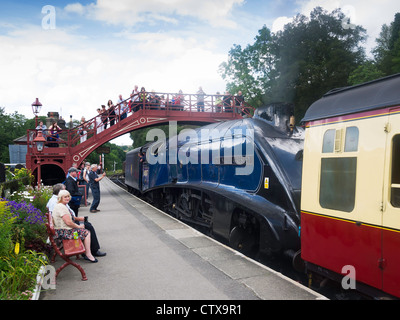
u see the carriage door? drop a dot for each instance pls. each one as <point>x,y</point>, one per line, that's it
<point>390,263</point>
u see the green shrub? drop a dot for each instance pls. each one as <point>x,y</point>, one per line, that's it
<point>18,274</point>
<point>22,222</point>
<point>6,229</point>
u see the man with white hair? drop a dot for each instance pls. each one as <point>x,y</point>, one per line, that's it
<point>71,184</point>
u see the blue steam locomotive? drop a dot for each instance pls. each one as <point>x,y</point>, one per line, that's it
<point>241,178</point>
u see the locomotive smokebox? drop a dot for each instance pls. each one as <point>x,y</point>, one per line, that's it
<point>279,115</point>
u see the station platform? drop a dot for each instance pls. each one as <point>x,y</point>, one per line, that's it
<point>152,256</point>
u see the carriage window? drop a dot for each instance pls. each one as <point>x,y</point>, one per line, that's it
<point>333,140</point>
<point>395,187</point>
<point>351,142</point>
<point>338,183</point>
<point>329,141</point>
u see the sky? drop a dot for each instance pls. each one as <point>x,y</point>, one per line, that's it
<point>76,55</point>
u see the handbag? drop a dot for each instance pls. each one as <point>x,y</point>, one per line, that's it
<point>76,200</point>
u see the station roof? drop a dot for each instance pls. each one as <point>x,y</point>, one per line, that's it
<point>368,96</point>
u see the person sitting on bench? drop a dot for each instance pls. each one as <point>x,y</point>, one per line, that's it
<point>65,228</point>
<point>94,242</point>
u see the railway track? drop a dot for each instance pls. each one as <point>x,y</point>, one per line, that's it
<point>332,290</point>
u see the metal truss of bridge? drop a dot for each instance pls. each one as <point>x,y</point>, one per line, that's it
<point>149,109</point>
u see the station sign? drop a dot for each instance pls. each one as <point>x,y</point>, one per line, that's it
<point>101,150</point>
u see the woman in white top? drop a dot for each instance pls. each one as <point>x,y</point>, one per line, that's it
<point>99,122</point>
<point>82,130</point>
<point>65,227</point>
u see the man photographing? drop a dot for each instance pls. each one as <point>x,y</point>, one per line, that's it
<point>94,180</point>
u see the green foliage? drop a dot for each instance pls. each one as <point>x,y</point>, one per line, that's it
<point>17,270</point>
<point>22,226</point>
<point>117,155</point>
<point>368,71</point>
<point>41,196</point>
<point>387,51</point>
<point>24,176</point>
<point>16,182</point>
<point>248,69</point>
<point>309,57</point>
<point>12,126</point>
<point>29,225</point>
<point>22,173</point>
<point>38,197</point>
<point>6,227</point>
<point>139,136</point>
<point>18,274</point>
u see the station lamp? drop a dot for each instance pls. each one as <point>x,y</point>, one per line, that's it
<point>36,106</point>
<point>39,141</point>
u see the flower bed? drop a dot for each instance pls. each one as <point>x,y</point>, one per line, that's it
<point>23,247</point>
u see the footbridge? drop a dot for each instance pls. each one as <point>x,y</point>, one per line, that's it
<point>62,148</point>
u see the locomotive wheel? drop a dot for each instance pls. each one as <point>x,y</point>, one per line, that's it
<point>298,262</point>
<point>183,206</point>
<point>241,240</point>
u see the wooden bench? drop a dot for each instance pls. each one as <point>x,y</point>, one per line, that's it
<point>70,248</point>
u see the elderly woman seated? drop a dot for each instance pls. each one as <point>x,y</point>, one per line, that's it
<point>65,227</point>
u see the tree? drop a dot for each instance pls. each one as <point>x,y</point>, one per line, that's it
<point>139,136</point>
<point>367,71</point>
<point>387,51</point>
<point>316,54</point>
<point>248,69</point>
<point>311,56</point>
<point>12,126</point>
<point>116,155</point>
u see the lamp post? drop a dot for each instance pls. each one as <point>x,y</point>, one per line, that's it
<point>36,106</point>
<point>39,142</point>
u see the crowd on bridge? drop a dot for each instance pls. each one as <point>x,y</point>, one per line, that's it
<point>109,115</point>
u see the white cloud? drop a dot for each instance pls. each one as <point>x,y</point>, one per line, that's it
<point>124,12</point>
<point>279,23</point>
<point>70,76</point>
<point>169,63</point>
<point>95,67</point>
<point>76,8</point>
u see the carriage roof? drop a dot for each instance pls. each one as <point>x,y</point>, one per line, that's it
<point>384,92</point>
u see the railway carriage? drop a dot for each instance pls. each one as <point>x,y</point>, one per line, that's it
<point>350,206</point>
